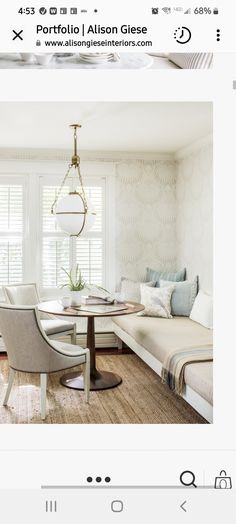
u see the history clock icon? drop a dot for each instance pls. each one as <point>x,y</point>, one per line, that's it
<point>182,35</point>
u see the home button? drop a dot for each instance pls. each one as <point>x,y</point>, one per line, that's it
<point>117,506</point>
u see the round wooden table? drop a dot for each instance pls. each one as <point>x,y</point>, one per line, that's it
<point>98,379</point>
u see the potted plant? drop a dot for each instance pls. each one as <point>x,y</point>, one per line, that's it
<point>75,284</point>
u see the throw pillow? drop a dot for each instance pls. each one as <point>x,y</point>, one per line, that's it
<point>156,301</point>
<point>131,289</point>
<point>202,311</point>
<point>183,296</point>
<point>153,275</point>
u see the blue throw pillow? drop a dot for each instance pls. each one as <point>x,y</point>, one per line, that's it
<point>156,276</point>
<point>183,296</point>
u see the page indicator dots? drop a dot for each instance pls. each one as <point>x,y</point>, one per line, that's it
<point>98,480</point>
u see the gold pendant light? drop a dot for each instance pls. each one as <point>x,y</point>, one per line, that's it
<point>74,213</point>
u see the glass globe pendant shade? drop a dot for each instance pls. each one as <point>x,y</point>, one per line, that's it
<point>90,218</point>
<point>72,216</point>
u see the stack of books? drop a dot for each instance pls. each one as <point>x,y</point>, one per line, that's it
<point>94,300</point>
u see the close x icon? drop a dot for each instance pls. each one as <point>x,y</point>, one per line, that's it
<point>17,34</point>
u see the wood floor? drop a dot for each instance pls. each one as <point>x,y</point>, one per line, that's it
<point>140,399</point>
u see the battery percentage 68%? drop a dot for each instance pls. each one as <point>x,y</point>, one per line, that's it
<point>202,11</point>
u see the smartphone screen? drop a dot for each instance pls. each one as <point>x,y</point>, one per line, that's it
<point>117,262</point>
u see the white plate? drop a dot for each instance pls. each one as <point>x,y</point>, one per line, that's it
<point>96,58</point>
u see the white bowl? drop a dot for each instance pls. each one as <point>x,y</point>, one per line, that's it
<point>27,57</point>
<point>43,58</point>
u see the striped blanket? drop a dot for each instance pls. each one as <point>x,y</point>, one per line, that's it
<point>174,365</point>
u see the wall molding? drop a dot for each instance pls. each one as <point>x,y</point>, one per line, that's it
<point>63,155</point>
<point>30,167</point>
<point>194,147</point>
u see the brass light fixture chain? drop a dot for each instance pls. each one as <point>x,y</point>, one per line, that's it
<point>82,188</point>
<point>75,162</point>
<point>75,141</point>
<point>60,189</point>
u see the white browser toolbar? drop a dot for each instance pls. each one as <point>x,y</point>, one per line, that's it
<point>120,485</point>
<point>126,469</point>
<point>192,27</point>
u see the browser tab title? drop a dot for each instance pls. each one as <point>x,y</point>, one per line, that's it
<point>95,29</point>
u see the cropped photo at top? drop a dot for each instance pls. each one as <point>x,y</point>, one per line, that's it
<point>106,233</point>
<point>109,60</point>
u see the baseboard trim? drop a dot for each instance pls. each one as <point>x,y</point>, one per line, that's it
<point>102,340</point>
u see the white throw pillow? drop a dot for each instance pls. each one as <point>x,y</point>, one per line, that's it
<point>131,288</point>
<point>202,311</point>
<point>157,301</point>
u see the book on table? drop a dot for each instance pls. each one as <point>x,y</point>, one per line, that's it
<point>101,309</point>
<point>96,300</point>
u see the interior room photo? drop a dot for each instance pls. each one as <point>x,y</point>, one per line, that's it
<point>85,60</point>
<point>106,242</point>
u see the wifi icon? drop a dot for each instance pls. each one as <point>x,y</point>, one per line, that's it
<point>167,10</point>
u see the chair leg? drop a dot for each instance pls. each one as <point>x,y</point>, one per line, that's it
<point>43,384</point>
<point>119,345</point>
<point>87,377</point>
<point>73,335</point>
<point>10,383</point>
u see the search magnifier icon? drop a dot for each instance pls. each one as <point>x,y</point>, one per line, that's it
<point>187,478</point>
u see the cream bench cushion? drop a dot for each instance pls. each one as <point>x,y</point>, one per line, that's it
<point>160,336</point>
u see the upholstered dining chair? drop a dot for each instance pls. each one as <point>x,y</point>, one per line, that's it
<point>28,295</point>
<point>30,350</point>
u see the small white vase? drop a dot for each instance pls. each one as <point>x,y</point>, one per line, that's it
<point>76,298</point>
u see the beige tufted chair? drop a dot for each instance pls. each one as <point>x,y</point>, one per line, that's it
<point>30,350</point>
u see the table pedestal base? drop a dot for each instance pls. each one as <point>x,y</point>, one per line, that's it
<point>98,380</point>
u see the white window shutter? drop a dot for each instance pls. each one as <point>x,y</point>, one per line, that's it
<point>89,256</point>
<point>56,255</point>
<point>11,233</point>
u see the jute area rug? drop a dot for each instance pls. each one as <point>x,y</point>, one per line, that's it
<point>140,399</point>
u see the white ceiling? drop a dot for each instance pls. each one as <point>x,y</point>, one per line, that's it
<point>111,126</point>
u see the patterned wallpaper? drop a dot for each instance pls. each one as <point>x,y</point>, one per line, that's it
<point>145,220</point>
<point>145,217</point>
<point>164,218</point>
<point>194,221</point>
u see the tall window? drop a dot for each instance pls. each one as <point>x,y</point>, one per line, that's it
<point>60,251</point>
<point>11,232</point>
